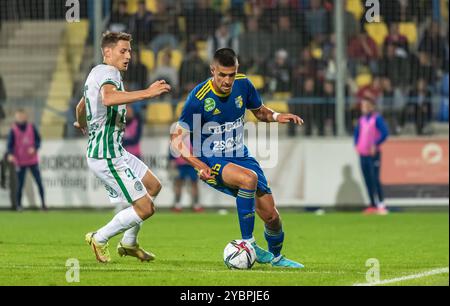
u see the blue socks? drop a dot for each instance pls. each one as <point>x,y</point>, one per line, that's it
<point>274,240</point>
<point>246,211</point>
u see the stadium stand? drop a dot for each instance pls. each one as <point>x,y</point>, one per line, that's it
<point>190,23</point>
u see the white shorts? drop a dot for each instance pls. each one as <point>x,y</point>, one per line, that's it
<point>122,177</point>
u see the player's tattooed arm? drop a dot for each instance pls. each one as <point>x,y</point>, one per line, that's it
<point>81,122</point>
<point>265,114</point>
<point>111,96</point>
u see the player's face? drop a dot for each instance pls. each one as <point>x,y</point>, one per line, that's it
<point>223,77</point>
<point>21,117</point>
<point>120,55</point>
<point>367,107</point>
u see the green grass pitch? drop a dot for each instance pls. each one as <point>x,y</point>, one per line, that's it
<point>34,248</point>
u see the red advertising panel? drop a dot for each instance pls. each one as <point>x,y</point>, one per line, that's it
<point>415,162</point>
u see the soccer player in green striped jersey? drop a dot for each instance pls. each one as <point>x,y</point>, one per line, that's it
<point>102,113</point>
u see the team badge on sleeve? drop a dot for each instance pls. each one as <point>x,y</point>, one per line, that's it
<point>210,105</point>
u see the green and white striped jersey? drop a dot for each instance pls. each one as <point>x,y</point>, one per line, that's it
<point>106,123</point>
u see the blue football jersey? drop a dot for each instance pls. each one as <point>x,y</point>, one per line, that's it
<point>216,121</point>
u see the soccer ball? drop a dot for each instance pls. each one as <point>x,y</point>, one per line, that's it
<point>239,254</point>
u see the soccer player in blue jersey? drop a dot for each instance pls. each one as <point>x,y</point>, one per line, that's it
<point>214,112</point>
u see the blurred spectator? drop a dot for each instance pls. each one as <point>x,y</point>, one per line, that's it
<point>398,40</point>
<point>419,107</point>
<point>362,50</point>
<point>325,111</point>
<point>275,9</point>
<point>136,75</point>
<point>307,106</point>
<point>388,105</point>
<point>279,72</point>
<point>434,43</point>
<point>120,20</point>
<point>352,26</point>
<point>254,47</point>
<point>329,58</point>
<point>202,21</point>
<point>374,90</point>
<point>305,67</point>
<point>444,107</point>
<point>167,72</point>
<point>422,67</point>
<point>165,27</point>
<point>222,39</point>
<point>237,9</point>
<point>24,142</point>
<point>394,68</point>
<point>193,70</point>
<point>257,10</point>
<point>287,37</point>
<point>317,21</point>
<point>399,10</point>
<point>236,26</point>
<point>133,133</point>
<point>2,98</point>
<point>141,24</point>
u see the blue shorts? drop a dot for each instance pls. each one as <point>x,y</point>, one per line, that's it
<point>187,172</point>
<point>217,164</point>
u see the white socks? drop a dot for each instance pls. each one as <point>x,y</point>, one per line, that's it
<point>251,240</point>
<point>124,220</point>
<point>130,235</point>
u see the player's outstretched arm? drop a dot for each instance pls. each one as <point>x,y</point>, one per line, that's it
<point>111,96</point>
<point>81,122</point>
<point>179,140</point>
<point>265,114</point>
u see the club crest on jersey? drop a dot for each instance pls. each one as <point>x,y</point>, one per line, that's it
<point>111,192</point>
<point>138,186</point>
<point>210,105</point>
<point>239,102</point>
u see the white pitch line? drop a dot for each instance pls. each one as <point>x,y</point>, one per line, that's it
<point>405,278</point>
<point>117,269</point>
<point>105,268</point>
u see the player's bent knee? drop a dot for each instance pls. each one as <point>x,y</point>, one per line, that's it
<point>158,188</point>
<point>154,190</point>
<point>273,218</point>
<point>249,180</point>
<point>144,208</point>
<point>147,212</point>
<point>269,217</point>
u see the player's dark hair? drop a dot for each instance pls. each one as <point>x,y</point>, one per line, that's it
<point>226,57</point>
<point>110,39</point>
